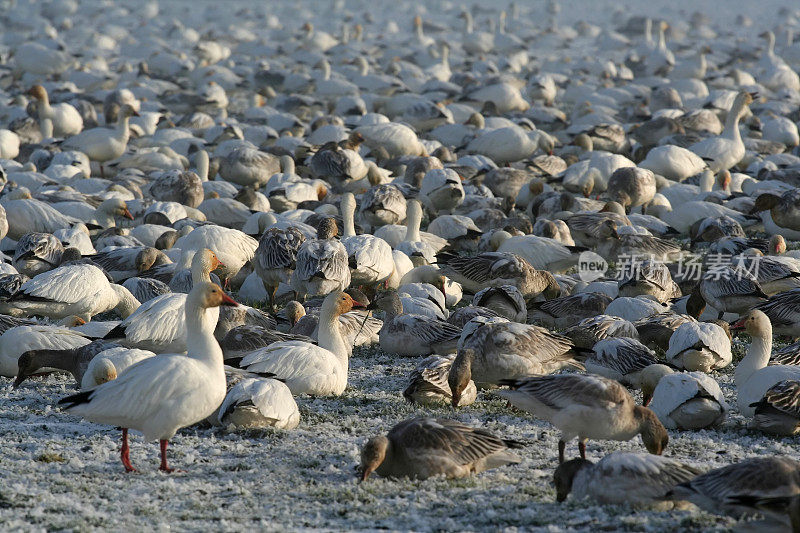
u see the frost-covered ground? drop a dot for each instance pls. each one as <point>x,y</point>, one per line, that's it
<point>62,473</point>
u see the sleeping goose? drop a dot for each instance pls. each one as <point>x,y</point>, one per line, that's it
<point>589,331</point>
<point>73,360</point>
<point>587,407</point>
<point>622,359</point>
<point>699,346</point>
<point>321,265</point>
<point>36,253</point>
<point>65,119</point>
<point>683,400</point>
<point>276,258</point>
<point>257,403</point>
<point>778,412</point>
<point>423,447</point>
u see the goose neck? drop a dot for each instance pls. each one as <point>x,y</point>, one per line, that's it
<point>349,228</point>
<point>468,24</point>
<point>756,358</point>
<point>732,121</point>
<point>329,335</point>
<point>412,225</point>
<point>122,127</point>
<point>200,341</point>
<point>202,164</point>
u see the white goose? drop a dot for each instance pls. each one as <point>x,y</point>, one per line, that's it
<point>257,403</point>
<point>159,325</point>
<point>726,150</point>
<point>413,245</point>
<point>25,214</point>
<point>147,397</point>
<point>673,162</point>
<point>683,400</point>
<point>20,339</point>
<point>104,144</point>
<point>111,362</point>
<point>65,119</point>
<point>319,370</point>
<point>753,377</point>
<point>80,290</point>
<point>699,346</point>
<point>370,257</point>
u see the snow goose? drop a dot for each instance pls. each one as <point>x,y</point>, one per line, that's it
<point>381,205</point>
<point>248,166</point>
<point>565,311</point>
<point>729,290</point>
<point>784,210</point>
<point>66,119</point>
<point>341,167</point>
<point>276,258</point>
<point>622,359</point>
<point>655,330</point>
<point>428,383</point>
<point>778,412</point>
<point>738,489</point>
<point>424,447</point>
<point>631,186</point>
<point>159,324</point>
<point>683,400</point>
<point>411,335</point>
<point>495,269</point>
<point>73,360</point>
<point>587,407</point>
<point>25,214</point>
<point>459,231</point>
<point>80,290</point>
<point>110,363</point>
<point>589,331</point>
<point>699,346</point>
<point>753,376</point>
<point>36,253</point>
<point>413,245</point>
<point>542,253</point>
<point>18,340</point>
<point>505,300</point>
<point>104,144</point>
<point>648,278</point>
<point>783,311</point>
<point>233,247</point>
<point>322,264</point>
<point>441,190</point>
<point>507,145</point>
<point>494,350</point>
<point>307,368</point>
<point>369,257</point>
<point>726,150</point>
<point>622,478</point>
<point>147,397</point>
<point>258,403</point>
<point>673,162</point>
<point>124,263</point>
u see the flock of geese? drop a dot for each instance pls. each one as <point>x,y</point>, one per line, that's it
<point>430,193</point>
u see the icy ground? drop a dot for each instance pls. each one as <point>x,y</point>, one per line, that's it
<point>60,473</point>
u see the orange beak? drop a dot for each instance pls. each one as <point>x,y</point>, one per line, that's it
<point>127,214</point>
<point>227,300</point>
<point>79,321</point>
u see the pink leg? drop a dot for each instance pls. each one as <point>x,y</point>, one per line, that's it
<point>582,448</point>
<point>164,466</point>
<point>125,452</point>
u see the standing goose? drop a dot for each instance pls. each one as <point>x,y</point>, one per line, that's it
<point>104,144</point>
<point>276,258</point>
<point>307,368</point>
<point>413,245</point>
<point>587,407</point>
<point>423,447</point>
<point>322,266</point>
<point>147,396</point>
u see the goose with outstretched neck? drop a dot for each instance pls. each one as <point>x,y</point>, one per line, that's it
<point>149,397</point>
<point>725,151</point>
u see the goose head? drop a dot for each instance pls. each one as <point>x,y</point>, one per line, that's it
<point>206,261</point>
<point>583,141</point>
<point>338,303</point>
<point>295,311</point>
<point>205,295</point>
<point>777,245</point>
<point>654,434</point>
<point>565,474</point>
<point>115,207</point>
<point>372,455</point>
<point>765,202</point>
<point>38,92</point>
<point>460,374</point>
<point>127,111</point>
<point>755,323</point>
<point>327,229</point>
<point>649,378</point>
